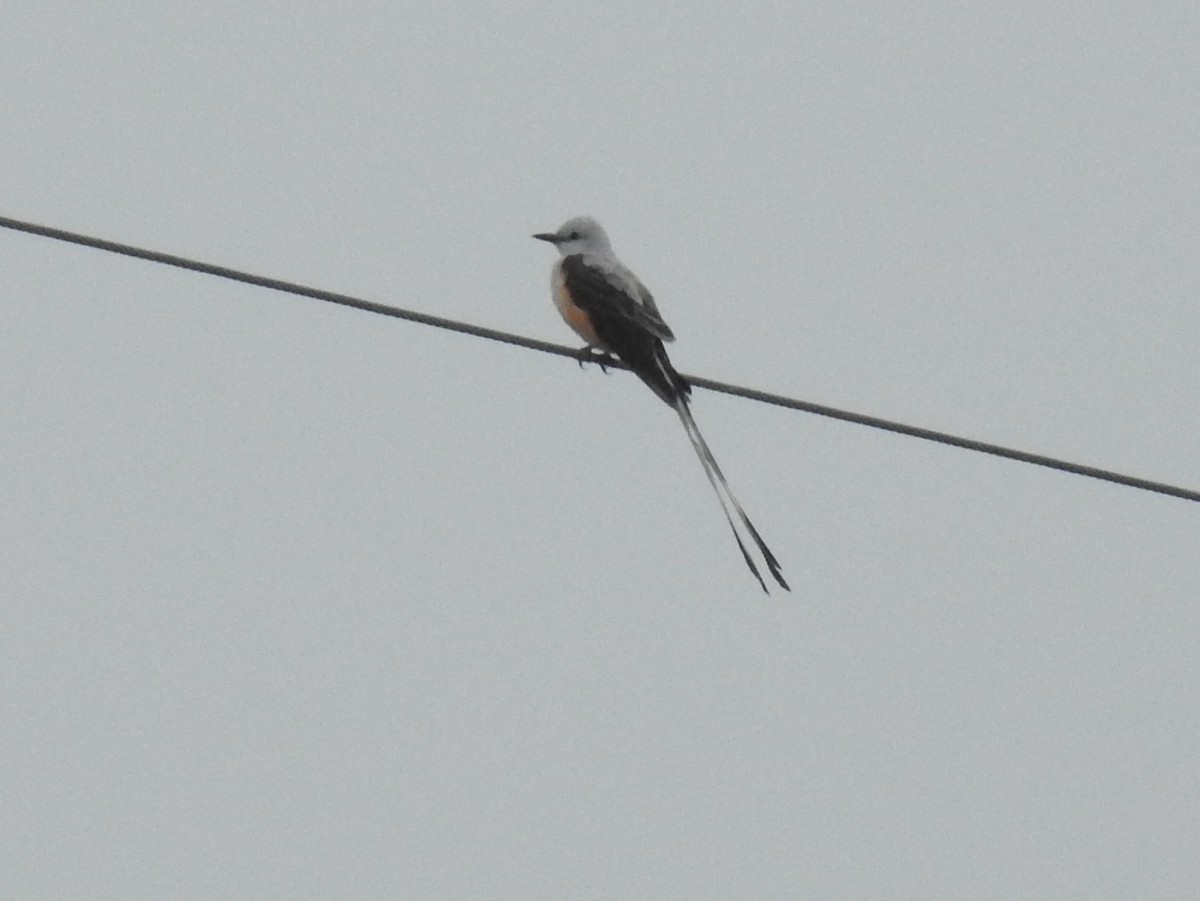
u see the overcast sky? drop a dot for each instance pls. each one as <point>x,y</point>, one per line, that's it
<point>302,602</point>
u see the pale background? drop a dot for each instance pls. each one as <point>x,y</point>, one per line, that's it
<point>301,602</point>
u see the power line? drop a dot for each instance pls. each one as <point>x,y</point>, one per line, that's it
<point>479,331</point>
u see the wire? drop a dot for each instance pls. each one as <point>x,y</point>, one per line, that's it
<point>479,331</point>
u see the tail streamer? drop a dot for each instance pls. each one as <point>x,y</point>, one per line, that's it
<point>729,503</point>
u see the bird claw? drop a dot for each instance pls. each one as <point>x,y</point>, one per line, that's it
<point>592,354</point>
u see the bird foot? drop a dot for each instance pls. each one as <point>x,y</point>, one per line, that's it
<point>591,354</point>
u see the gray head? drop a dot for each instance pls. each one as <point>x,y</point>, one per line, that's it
<point>583,234</point>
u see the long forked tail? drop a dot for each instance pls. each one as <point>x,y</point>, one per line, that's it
<point>729,504</point>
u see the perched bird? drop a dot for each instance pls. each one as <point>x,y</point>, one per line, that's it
<point>606,305</point>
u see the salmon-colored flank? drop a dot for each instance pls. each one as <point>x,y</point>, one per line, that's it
<point>573,315</point>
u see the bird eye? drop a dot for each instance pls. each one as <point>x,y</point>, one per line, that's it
<point>574,236</point>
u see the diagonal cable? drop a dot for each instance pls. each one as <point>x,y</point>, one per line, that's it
<point>480,331</point>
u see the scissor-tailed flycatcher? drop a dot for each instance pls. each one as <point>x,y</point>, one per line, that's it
<point>611,310</point>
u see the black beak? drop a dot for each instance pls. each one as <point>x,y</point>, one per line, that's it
<point>547,236</point>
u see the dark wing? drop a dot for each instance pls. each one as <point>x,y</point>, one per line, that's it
<point>649,306</point>
<point>592,288</point>
<point>632,331</point>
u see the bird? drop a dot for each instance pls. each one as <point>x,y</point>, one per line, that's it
<point>613,312</point>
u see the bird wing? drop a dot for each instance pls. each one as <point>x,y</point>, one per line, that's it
<point>625,325</point>
<point>605,298</point>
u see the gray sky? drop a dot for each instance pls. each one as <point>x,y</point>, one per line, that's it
<point>300,602</point>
